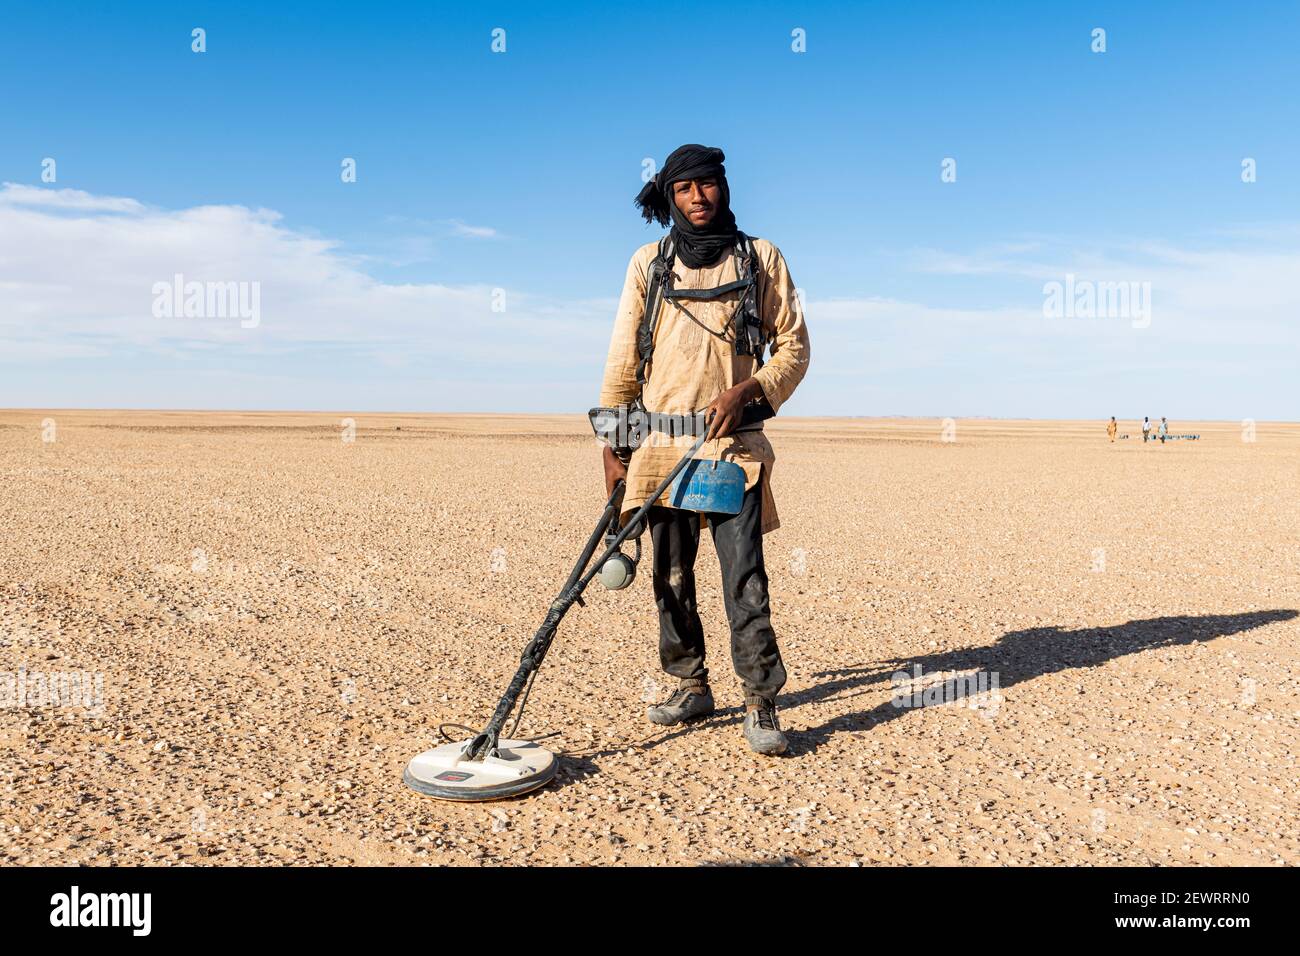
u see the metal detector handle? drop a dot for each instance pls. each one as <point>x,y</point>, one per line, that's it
<point>759,410</point>
<point>756,411</point>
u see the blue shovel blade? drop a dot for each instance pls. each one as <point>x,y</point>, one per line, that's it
<point>709,486</point>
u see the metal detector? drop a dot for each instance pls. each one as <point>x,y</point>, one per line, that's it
<point>492,767</point>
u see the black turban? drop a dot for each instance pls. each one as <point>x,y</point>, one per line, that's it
<point>698,246</point>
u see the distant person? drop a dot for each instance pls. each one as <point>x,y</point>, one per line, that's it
<point>1112,428</point>
<point>1164,429</point>
<point>1146,429</point>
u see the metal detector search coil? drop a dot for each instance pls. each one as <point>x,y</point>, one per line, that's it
<point>447,772</point>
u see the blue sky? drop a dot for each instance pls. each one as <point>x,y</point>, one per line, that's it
<point>479,171</point>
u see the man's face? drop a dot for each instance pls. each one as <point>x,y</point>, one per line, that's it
<point>697,199</point>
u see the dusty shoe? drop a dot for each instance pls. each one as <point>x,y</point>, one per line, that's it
<point>692,700</point>
<point>763,730</point>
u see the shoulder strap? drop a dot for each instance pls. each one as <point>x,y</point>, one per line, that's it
<point>645,336</point>
<point>748,257</point>
<point>752,334</point>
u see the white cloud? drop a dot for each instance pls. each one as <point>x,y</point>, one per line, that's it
<point>83,285</point>
<point>77,273</point>
<point>1222,338</point>
<point>18,194</point>
<point>474,232</point>
<point>1227,293</point>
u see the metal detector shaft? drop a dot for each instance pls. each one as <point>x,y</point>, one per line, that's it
<point>534,653</point>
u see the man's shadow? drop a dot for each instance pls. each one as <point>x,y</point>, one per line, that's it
<point>1016,657</point>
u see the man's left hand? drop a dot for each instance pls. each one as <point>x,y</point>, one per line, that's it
<point>726,409</point>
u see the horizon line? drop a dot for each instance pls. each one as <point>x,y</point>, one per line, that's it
<point>534,414</point>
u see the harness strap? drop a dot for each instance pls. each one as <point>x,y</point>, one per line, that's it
<point>750,338</point>
<point>645,340</point>
<point>671,293</point>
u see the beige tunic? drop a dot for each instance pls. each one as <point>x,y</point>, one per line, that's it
<point>694,362</point>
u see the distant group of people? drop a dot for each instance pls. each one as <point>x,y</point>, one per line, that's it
<point>1162,431</point>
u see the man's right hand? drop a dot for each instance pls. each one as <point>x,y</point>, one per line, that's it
<point>615,470</point>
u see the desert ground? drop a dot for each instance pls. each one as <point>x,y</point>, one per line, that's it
<point>281,617</point>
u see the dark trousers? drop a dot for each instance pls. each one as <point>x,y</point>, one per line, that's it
<point>738,539</point>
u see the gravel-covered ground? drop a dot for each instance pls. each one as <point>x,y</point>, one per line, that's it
<point>282,618</point>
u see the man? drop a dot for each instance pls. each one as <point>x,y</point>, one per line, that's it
<point>1146,429</point>
<point>698,354</point>
<point>1112,428</point>
<point>1163,431</point>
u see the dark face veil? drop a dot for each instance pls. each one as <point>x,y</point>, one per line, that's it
<point>697,246</point>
